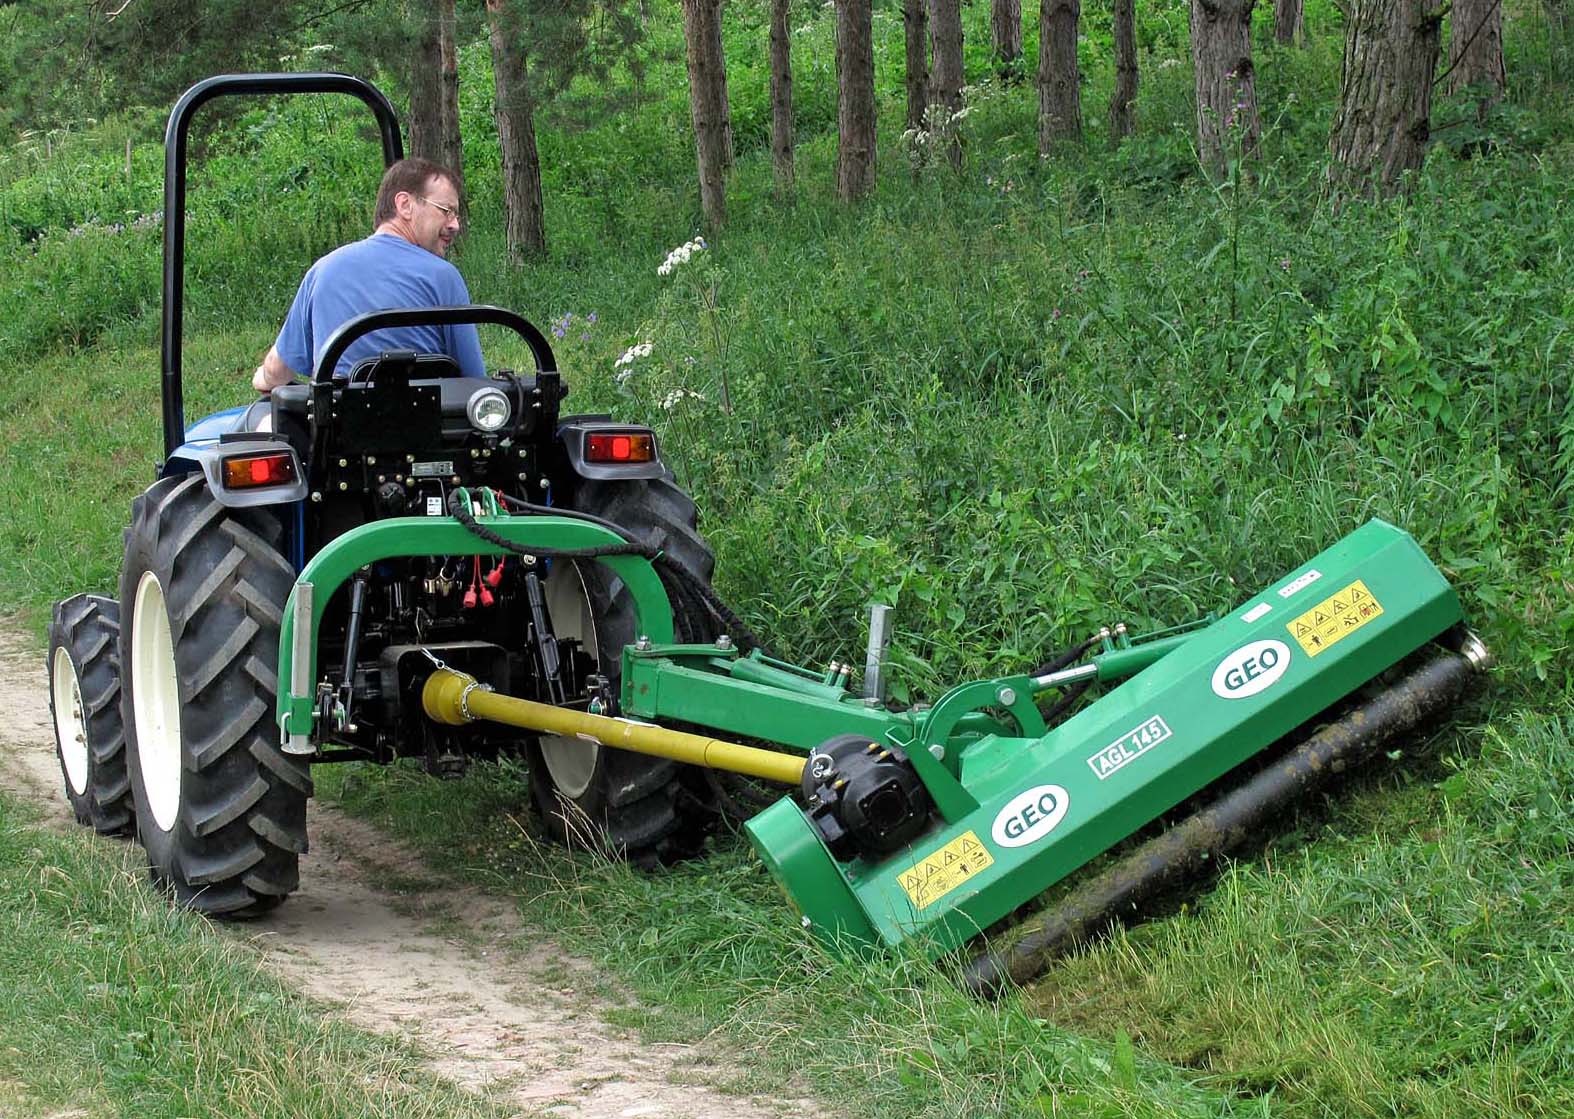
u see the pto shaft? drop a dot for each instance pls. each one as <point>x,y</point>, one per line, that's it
<point>454,699</point>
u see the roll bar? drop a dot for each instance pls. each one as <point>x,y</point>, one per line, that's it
<point>224,85</point>
<point>362,325</point>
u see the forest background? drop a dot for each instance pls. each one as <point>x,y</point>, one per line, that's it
<point>1017,378</point>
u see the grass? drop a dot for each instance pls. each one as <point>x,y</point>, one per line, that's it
<point>113,1003</point>
<point>1017,404</point>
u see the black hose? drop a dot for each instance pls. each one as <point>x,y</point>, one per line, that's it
<point>1065,657</point>
<point>673,573</point>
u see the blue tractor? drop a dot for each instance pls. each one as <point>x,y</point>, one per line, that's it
<point>164,696</point>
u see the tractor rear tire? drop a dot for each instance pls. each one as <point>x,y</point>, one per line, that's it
<point>648,810</point>
<point>221,810</point>
<point>84,698</point>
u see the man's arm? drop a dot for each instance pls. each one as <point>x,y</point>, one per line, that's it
<point>272,372</point>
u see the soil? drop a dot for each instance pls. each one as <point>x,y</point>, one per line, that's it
<point>378,938</point>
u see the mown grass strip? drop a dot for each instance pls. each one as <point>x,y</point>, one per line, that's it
<point>113,1003</point>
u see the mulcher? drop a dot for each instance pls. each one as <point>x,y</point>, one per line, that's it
<point>408,562</point>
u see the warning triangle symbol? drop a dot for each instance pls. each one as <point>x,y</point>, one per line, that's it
<point>968,846</point>
<point>1320,617</point>
<point>1302,629</point>
<point>950,857</point>
<point>1356,595</point>
<point>1339,607</point>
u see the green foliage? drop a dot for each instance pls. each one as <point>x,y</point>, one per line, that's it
<point>1017,402</point>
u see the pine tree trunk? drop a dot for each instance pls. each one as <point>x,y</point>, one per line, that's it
<point>1384,117</point>
<point>1059,80</point>
<point>945,90</point>
<point>708,105</point>
<point>1123,101</point>
<point>945,30</point>
<point>915,25</point>
<point>1226,83</point>
<point>855,136</point>
<point>1475,48</point>
<point>781,97</point>
<point>1005,32</point>
<point>426,94</point>
<point>1289,22</point>
<point>452,145</point>
<point>723,105</point>
<point>524,220</point>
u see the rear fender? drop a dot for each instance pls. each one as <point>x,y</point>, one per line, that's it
<point>209,457</point>
<point>575,431</point>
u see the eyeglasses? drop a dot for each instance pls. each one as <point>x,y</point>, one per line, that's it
<point>449,211</point>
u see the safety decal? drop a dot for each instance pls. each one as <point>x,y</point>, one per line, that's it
<point>936,875</point>
<point>1129,747</point>
<point>1335,618</point>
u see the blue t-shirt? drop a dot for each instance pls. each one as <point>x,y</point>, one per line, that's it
<point>376,274</point>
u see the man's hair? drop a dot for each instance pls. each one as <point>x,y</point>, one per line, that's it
<point>408,176</point>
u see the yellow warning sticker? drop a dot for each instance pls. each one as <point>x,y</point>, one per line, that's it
<point>1334,618</point>
<point>936,875</point>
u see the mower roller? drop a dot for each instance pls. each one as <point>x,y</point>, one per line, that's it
<point>401,561</point>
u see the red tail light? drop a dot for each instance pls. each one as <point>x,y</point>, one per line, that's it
<point>245,472</point>
<point>620,446</point>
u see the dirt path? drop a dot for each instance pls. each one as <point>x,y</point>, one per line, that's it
<point>501,1009</point>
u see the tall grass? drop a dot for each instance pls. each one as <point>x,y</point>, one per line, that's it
<point>1017,403</point>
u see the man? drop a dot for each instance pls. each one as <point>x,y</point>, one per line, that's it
<point>400,265</point>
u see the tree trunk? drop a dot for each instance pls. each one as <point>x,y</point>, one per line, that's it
<point>1123,101</point>
<point>1005,32</point>
<point>1226,84</point>
<point>1475,48</point>
<point>524,221</point>
<point>781,97</point>
<point>1383,122</point>
<point>452,147</point>
<point>855,137</point>
<point>1289,22</point>
<point>708,105</point>
<point>1059,80</point>
<point>915,24</point>
<point>723,101</point>
<point>945,29</point>
<point>426,94</point>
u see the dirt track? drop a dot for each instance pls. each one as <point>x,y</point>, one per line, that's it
<point>501,1009</point>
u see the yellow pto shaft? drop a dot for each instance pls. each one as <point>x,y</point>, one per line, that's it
<point>454,699</point>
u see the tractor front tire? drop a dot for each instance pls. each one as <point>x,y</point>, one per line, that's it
<point>221,810</point>
<point>84,698</point>
<point>645,809</point>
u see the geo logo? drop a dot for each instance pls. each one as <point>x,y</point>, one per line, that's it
<point>1251,669</point>
<point>1030,816</point>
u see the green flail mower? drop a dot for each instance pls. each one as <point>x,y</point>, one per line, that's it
<point>407,562</point>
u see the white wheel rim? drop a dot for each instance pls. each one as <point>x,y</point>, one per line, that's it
<point>155,694</point>
<point>570,761</point>
<point>70,723</point>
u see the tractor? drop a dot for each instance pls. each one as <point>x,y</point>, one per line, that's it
<point>164,695</point>
<point>408,562</point>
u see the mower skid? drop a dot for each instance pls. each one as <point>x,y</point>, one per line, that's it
<point>1046,805</point>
